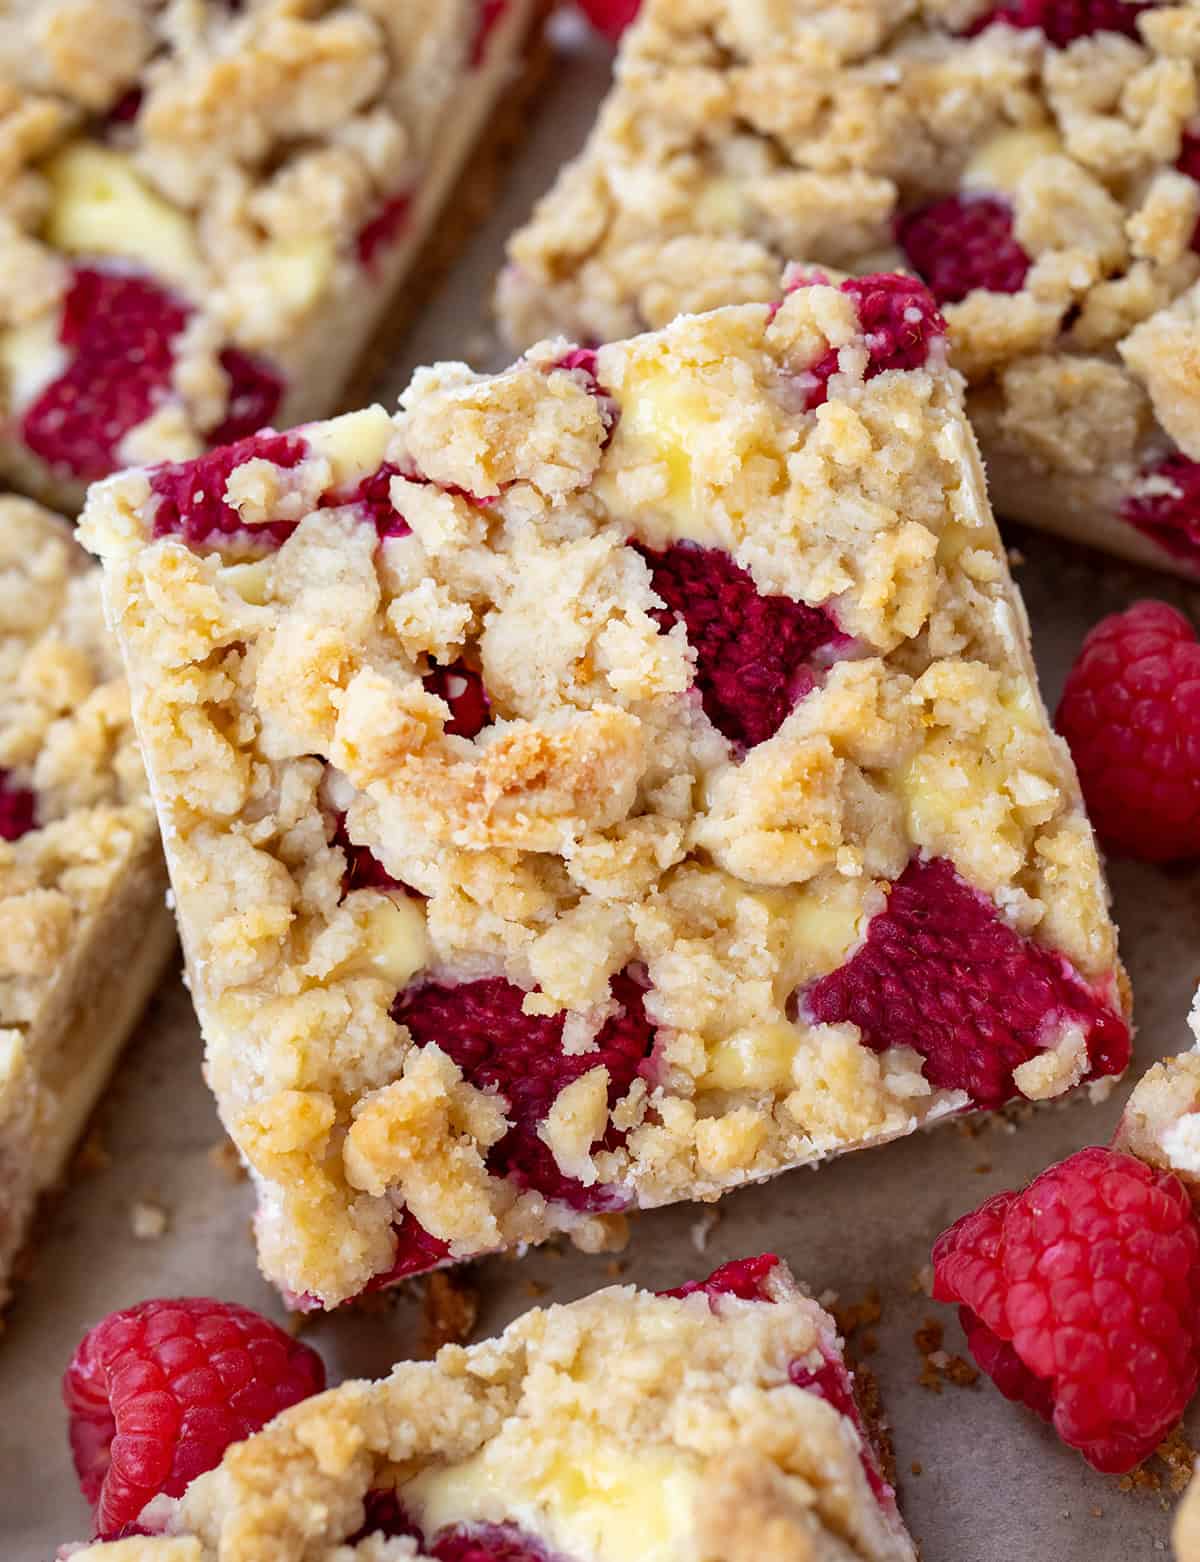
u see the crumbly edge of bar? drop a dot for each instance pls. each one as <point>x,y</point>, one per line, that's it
<point>742,159</point>
<point>645,1374</point>
<point>317,1087</point>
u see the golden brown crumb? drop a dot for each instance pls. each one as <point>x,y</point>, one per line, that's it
<point>917,1467</point>
<point>451,1305</point>
<point>92,1156</point>
<point>224,1156</point>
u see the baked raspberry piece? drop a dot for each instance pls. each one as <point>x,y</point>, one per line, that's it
<point>156,1394</point>
<point>1082,1294</point>
<point>18,809</point>
<point>742,1277</point>
<point>522,1058</point>
<point>1063,21</point>
<point>610,17</point>
<point>963,242</point>
<point>652,709</point>
<point>537,1446</point>
<point>121,330</point>
<point>755,654</point>
<point>384,229</point>
<point>1130,710</point>
<point>255,393</point>
<point>942,972</point>
<point>191,494</point>
<point>899,321</point>
<point>1165,506</point>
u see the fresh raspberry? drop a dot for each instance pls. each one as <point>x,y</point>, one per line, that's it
<point>741,1277</point>
<point>383,229</point>
<point>1083,1292</point>
<point>121,330</point>
<point>156,1394</point>
<point>462,689</point>
<point>610,17</point>
<point>961,243</point>
<point>18,809</point>
<point>1063,21</point>
<point>1130,711</point>
<point>754,653</point>
<point>499,1048</point>
<point>255,391</point>
<point>1166,506</point>
<point>940,971</point>
<point>372,497</point>
<point>490,13</point>
<point>191,494</point>
<point>897,316</point>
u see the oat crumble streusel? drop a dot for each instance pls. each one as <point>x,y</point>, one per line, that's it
<point>1037,162</point>
<point>605,783</point>
<point>719,1425</point>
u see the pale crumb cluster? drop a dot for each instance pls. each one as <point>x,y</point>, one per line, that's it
<point>682,1408</point>
<point>741,135</point>
<point>601,822</point>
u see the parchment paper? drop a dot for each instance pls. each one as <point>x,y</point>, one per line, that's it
<point>995,1486</point>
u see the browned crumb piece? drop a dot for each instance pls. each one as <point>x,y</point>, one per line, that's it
<point>940,1366</point>
<point>921,1283</point>
<point>225,1158</point>
<point>870,1404</point>
<point>91,1157</point>
<point>983,1168</point>
<point>451,1308</point>
<point>535,1288</point>
<point>855,1316</point>
<point>917,1467</point>
<point>1166,1473</point>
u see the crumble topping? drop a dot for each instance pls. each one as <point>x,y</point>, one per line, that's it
<point>624,1422</point>
<point>480,956</point>
<point>1037,164</point>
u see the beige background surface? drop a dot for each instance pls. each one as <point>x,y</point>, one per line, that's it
<point>995,1485</point>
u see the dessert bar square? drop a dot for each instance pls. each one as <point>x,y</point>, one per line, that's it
<point>84,927</point>
<point>206,219</point>
<point>1038,164</point>
<point>605,783</point>
<point>719,1420</point>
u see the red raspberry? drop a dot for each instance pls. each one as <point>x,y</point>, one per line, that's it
<point>156,1394</point>
<point>255,391</point>
<point>382,230</point>
<point>191,494</point>
<point>610,17</point>
<point>961,243</point>
<point>941,972</point>
<point>584,359</point>
<point>1063,21</point>
<point>834,1383</point>
<point>122,330</point>
<point>18,809</point>
<point>899,321</point>
<point>490,13</point>
<point>1084,1291</point>
<point>1188,161</point>
<point>742,1277</point>
<point>372,496</point>
<point>1131,712</point>
<point>1166,506</point>
<point>462,689</point>
<point>519,1056</point>
<point>489,1543</point>
<point>755,654</point>
<point>417,1251</point>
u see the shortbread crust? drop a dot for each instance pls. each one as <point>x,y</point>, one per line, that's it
<point>624,1425</point>
<point>84,928</point>
<point>404,941</point>
<point>742,134</point>
<point>271,175</point>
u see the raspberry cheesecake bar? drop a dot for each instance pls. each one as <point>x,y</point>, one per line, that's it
<point>605,783</point>
<point>84,928</point>
<point>1037,162</point>
<point>718,1421</point>
<point>205,219</point>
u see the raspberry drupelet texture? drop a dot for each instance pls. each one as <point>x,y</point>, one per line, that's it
<point>191,494</point>
<point>1130,711</point>
<point>941,972</point>
<point>18,809</point>
<point>1166,506</point>
<point>1081,1297</point>
<point>483,1028</point>
<point>156,1394</point>
<point>961,243</point>
<point>899,320</point>
<point>754,653</point>
<point>1063,21</point>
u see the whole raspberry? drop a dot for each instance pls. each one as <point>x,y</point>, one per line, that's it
<point>156,1394</point>
<point>899,321</point>
<point>941,972</point>
<point>1165,506</point>
<point>482,1027</point>
<point>255,391</point>
<point>610,17</point>
<point>191,494</point>
<point>383,229</point>
<point>121,331</point>
<point>1130,711</point>
<point>755,654</point>
<point>1063,21</point>
<point>18,809</point>
<point>1082,1295</point>
<point>961,243</point>
<point>741,1277</point>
